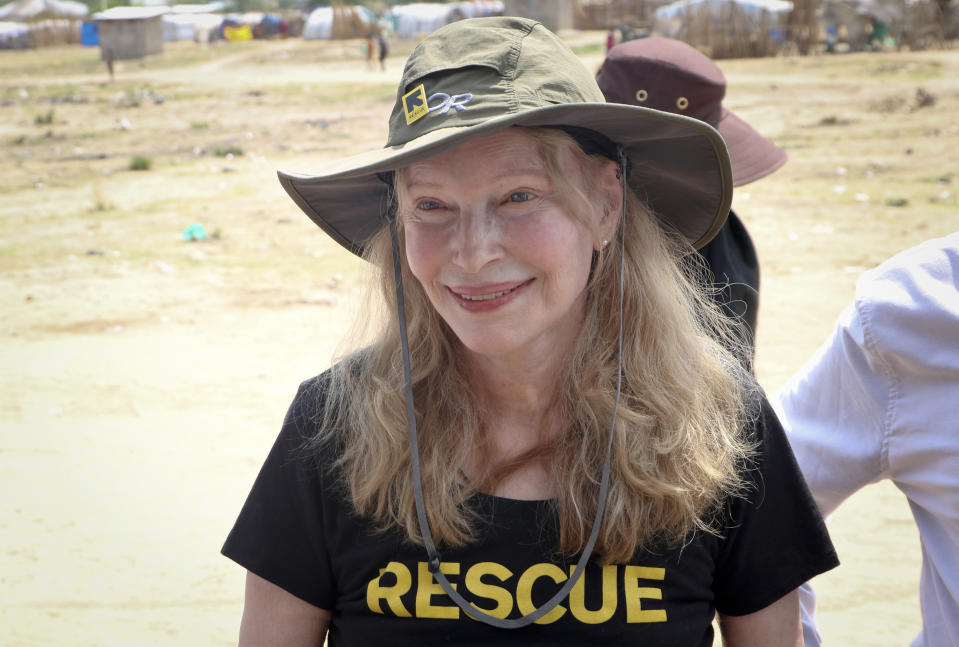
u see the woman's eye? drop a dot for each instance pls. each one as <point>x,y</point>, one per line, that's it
<point>428,205</point>
<point>520,196</point>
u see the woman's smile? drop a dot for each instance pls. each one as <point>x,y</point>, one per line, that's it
<point>488,297</point>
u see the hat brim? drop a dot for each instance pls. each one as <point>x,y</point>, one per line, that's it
<point>753,156</point>
<point>680,167</point>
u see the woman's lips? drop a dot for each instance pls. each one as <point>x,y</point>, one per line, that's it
<point>487,297</point>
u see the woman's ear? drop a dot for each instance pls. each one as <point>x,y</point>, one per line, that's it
<point>611,205</point>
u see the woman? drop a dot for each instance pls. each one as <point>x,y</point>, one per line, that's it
<point>546,442</point>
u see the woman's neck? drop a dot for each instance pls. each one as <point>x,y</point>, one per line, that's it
<point>520,421</point>
<point>516,390</point>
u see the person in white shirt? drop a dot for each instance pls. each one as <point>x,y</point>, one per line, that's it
<point>878,401</point>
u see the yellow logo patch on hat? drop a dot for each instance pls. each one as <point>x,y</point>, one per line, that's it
<point>414,104</point>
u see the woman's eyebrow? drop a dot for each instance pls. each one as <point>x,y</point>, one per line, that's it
<point>504,172</point>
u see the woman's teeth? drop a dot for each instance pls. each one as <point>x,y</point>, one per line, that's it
<point>484,297</point>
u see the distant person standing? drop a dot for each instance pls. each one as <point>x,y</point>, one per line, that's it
<point>670,75</point>
<point>610,39</point>
<point>108,59</point>
<point>384,45</point>
<point>370,47</point>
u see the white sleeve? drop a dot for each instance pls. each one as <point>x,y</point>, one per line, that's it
<point>807,605</point>
<point>834,412</point>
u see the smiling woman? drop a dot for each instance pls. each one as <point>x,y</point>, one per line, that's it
<point>547,441</point>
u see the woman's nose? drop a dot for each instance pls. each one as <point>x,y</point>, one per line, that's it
<point>478,240</point>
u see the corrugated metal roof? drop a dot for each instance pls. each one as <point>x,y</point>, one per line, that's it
<point>130,13</point>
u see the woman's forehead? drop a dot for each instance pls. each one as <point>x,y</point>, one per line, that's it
<point>504,152</point>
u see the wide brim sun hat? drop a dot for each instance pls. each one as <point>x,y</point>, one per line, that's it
<point>667,74</point>
<point>480,75</point>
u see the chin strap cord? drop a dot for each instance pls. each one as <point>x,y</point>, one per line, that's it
<point>434,558</point>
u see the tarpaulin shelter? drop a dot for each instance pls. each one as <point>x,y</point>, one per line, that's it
<point>252,24</point>
<point>130,32</point>
<point>420,18</point>
<point>876,24</point>
<point>14,35</point>
<point>199,27</point>
<point>237,33</point>
<point>207,7</point>
<point>90,34</point>
<point>47,22</point>
<point>325,23</point>
<point>726,28</point>
<point>752,8</point>
<point>319,24</point>
<point>27,10</point>
<point>197,22</point>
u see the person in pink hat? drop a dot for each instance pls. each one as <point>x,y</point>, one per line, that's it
<point>666,74</point>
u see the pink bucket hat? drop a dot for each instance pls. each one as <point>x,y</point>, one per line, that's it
<point>669,75</point>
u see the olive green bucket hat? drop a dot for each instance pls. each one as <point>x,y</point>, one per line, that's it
<point>480,75</point>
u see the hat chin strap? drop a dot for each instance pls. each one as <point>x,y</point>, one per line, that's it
<point>433,555</point>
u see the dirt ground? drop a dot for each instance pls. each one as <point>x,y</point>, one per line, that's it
<point>143,377</point>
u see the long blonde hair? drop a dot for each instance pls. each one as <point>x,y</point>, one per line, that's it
<point>679,446</point>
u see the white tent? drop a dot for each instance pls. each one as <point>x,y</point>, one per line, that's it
<point>190,26</point>
<point>37,9</point>
<point>177,27</point>
<point>14,35</point>
<point>414,20</point>
<point>319,24</point>
<point>209,7</point>
<point>675,9</point>
<point>669,19</point>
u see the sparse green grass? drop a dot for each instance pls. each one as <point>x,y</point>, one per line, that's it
<point>140,163</point>
<point>591,48</point>
<point>945,178</point>
<point>100,204</point>
<point>44,119</point>
<point>224,151</point>
<point>833,120</point>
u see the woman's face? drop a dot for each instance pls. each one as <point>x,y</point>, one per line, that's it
<point>496,250</point>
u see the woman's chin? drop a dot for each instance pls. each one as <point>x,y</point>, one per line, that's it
<point>488,345</point>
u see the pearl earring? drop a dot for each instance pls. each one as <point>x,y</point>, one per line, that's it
<point>605,243</point>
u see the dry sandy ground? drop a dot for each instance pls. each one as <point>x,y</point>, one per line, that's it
<point>143,378</point>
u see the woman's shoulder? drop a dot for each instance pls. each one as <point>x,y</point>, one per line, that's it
<point>763,431</point>
<point>762,416</point>
<point>311,423</point>
<point>310,400</point>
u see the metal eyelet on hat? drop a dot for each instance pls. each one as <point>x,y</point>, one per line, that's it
<point>682,103</point>
<point>641,95</point>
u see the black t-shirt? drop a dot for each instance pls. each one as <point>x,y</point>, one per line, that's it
<point>298,530</point>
